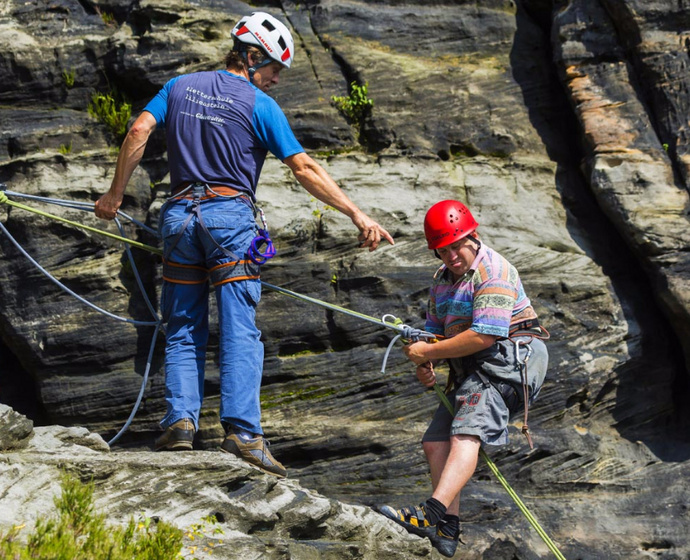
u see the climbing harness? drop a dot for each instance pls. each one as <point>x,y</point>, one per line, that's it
<point>232,270</point>
<point>388,321</point>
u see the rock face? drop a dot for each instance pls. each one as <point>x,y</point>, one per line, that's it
<point>563,125</point>
<point>257,515</point>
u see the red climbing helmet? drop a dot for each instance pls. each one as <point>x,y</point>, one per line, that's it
<point>446,222</point>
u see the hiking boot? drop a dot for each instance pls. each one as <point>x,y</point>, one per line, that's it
<point>412,519</point>
<point>254,451</point>
<point>177,437</point>
<point>445,538</point>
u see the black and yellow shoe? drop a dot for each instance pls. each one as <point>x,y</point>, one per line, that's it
<point>412,519</point>
<point>445,538</point>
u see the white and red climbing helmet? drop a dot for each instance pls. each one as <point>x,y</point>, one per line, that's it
<point>446,222</point>
<point>269,34</point>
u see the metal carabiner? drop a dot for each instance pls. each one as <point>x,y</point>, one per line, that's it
<point>522,367</point>
<point>521,363</point>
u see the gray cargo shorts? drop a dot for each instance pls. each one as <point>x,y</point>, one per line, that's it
<point>490,392</point>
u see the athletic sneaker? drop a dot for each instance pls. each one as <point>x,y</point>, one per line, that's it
<point>412,519</point>
<point>177,437</point>
<point>254,451</point>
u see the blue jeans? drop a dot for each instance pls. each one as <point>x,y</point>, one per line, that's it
<point>185,310</point>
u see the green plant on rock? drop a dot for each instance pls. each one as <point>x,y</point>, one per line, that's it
<point>357,105</point>
<point>203,537</point>
<point>319,208</point>
<point>319,213</point>
<point>79,533</point>
<point>65,149</point>
<point>68,78</point>
<point>111,112</point>
<point>108,18</point>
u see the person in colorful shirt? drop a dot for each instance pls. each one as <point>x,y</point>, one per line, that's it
<point>220,127</point>
<point>488,332</point>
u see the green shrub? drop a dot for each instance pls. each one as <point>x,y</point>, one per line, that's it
<point>65,149</point>
<point>108,18</point>
<point>79,533</point>
<point>68,78</point>
<point>357,105</point>
<point>114,114</point>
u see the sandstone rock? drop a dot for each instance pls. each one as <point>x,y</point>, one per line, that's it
<point>255,513</point>
<point>563,125</point>
<point>15,429</point>
<point>631,172</point>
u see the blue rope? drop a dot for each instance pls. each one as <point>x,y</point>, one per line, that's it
<point>66,289</point>
<point>76,205</point>
<point>137,276</point>
<point>135,408</point>
<point>158,321</point>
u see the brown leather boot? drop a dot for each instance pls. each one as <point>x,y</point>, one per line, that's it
<point>255,452</point>
<point>177,437</point>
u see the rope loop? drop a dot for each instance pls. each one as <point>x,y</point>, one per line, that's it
<point>255,254</point>
<point>406,333</point>
<point>155,322</point>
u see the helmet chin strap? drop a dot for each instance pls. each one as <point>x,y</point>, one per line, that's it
<point>251,70</point>
<point>475,241</point>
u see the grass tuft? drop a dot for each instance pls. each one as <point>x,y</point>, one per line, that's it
<point>111,112</point>
<point>78,532</point>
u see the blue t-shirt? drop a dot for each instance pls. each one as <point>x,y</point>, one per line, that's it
<point>219,129</point>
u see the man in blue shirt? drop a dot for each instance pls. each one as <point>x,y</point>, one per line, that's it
<point>220,127</point>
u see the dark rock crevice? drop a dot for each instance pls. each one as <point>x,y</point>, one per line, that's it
<point>651,69</point>
<point>604,243</point>
<point>18,389</point>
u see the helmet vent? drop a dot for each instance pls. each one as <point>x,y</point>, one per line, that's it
<point>268,25</point>
<point>282,44</point>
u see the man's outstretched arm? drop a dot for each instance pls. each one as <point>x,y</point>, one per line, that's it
<point>319,184</point>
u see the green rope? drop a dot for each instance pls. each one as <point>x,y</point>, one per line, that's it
<point>5,200</point>
<point>394,325</point>
<point>325,304</point>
